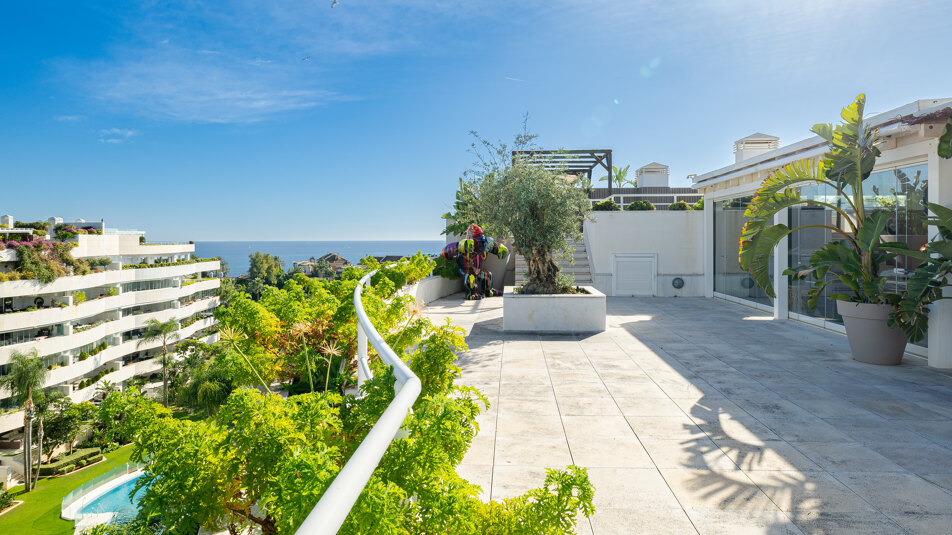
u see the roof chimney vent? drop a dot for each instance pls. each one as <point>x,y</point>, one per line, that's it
<point>754,145</point>
<point>653,175</point>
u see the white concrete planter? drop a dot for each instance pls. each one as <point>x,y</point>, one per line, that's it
<point>871,340</point>
<point>548,313</point>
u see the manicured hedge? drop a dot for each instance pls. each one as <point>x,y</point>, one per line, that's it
<point>67,463</point>
<point>607,205</point>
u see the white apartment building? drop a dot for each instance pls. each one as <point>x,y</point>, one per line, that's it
<point>87,328</point>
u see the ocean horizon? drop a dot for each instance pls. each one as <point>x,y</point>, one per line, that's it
<point>236,252</point>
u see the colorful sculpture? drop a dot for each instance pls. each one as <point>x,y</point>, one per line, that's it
<point>470,254</point>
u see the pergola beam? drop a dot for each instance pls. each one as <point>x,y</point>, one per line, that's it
<point>575,161</point>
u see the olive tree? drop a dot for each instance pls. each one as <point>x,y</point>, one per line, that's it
<point>541,210</point>
<point>538,209</point>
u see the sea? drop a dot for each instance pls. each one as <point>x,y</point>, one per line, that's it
<point>236,252</point>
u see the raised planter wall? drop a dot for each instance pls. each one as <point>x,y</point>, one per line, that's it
<point>434,287</point>
<point>570,313</point>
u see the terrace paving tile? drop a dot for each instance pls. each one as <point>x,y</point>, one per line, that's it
<point>898,493</point>
<point>865,523</point>
<point>721,522</point>
<point>691,418</point>
<point>846,457</point>
<point>661,521</point>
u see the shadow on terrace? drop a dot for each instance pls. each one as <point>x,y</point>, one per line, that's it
<point>697,415</point>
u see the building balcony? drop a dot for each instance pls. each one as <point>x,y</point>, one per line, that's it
<point>58,344</point>
<point>105,278</point>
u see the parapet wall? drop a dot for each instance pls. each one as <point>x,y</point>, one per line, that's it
<point>673,239</point>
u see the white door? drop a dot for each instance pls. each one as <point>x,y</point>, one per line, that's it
<point>635,274</point>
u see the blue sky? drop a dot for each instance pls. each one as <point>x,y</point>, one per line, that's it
<point>199,120</point>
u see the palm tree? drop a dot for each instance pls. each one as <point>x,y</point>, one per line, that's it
<point>167,333</point>
<point>105,387</point>
<point>26,374</point>
<point>43,408</point>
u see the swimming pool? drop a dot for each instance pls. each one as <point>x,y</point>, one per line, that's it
<point>116,500</point>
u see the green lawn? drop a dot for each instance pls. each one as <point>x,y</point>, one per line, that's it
<point>40,512</point>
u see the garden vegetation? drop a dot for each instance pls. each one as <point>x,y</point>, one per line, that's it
<point>250,458</point>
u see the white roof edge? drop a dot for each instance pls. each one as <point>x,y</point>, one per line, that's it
<point>802,147</point>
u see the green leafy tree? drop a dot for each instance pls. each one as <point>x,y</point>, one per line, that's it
<point>26,374</point>
<point>226,292</point>
<point>270,269</point>
<point>492,159</point>
<point>167,333</point>
<point>541,210</point>
<point>122,414</point>
<point>65,421</point>
<point>205,383</point>
<point>323,269</point>
<point>225,268</point>
<point>262,461</point>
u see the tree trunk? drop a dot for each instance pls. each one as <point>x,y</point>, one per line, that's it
<point>27,450</point>
<point>165,381</point>
<point>543,272</point>
<point>39,451</point>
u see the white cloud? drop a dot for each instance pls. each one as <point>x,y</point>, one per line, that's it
<point>245,63</point>
<point>209,88</point>
<point>116,136</point>
<point>68,118</point>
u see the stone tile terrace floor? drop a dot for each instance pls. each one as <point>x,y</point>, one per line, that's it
<point>701,416</point>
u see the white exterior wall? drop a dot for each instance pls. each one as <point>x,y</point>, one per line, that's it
<point>676,238</point>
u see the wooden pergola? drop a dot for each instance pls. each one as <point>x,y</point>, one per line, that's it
<point>575,162</point>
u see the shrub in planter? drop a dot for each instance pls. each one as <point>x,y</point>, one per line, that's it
<point>679,206</point>
<point>6,499</point>
<point>607,205</point>
<point>640,206</point>
<point>66,469</point>
<point>79,297</point>
<point>699,205</point>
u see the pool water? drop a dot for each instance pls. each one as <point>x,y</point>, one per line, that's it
<point>117,501</point>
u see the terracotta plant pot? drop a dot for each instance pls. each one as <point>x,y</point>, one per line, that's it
<point>871,340</point>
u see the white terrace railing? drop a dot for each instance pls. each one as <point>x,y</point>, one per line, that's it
<point>329,513</point>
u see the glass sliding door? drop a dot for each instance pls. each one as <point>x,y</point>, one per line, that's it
<point>901,192</point>
<point>729,278</point>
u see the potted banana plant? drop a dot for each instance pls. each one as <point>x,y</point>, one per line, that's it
<point>869,308</point>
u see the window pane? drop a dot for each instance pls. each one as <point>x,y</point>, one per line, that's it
<point>729,278</point>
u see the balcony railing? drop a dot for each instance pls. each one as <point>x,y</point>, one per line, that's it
<point>331,511</point>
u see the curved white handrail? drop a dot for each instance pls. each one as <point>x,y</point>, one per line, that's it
<point>331,511</point>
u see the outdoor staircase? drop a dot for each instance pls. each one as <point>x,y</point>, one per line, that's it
<point>578,269</point>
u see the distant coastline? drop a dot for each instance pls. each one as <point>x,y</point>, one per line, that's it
<point>236,252</point>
